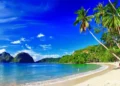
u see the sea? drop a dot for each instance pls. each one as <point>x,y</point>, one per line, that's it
<point>25,73</point>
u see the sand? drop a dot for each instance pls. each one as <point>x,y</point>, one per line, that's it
<point>111,78</point>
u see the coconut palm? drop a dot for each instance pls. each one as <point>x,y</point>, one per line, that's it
<point>108,16</point>
<point>114,26</point>
<point>83,19</point>
<point>111,20</point>
<point>99,12</point>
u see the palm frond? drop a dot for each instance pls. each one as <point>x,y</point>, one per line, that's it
<point>83,19</point>
<point>89,18</point>
<point>76,22</point>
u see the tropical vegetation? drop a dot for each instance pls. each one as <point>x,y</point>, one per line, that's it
<point>107,18</point>
<point>90,54</point>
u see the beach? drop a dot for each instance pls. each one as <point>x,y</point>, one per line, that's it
<point>106,76</point>
<point>111,78</point>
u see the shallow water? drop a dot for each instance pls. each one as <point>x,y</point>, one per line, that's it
<point>24,73</point>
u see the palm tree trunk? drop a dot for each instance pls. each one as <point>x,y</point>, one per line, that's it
<point>118,45</point>
<point>119,31</point>
<point>103,45</point>
<point>98,40</point>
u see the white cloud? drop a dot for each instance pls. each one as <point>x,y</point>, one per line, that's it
<point>52,55</point>
<point>69,53</point>
<point>2,50</point>
<point>66,53</point>
<point>28,47</point>
<point>16,42</point>
<point>37,56</point>
<point>19,41</point>
<point>46,47</point>
<point>23,39</point>
<point>7,19</point>
<point>40,35</point>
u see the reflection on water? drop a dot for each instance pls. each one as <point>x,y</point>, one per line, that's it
<point>23,73</point>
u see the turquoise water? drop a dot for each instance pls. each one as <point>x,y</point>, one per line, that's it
<point>23,73</point>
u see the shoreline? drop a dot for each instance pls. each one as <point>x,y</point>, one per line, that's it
<point>74,79</point>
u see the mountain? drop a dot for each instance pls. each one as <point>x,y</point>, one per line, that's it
<point>5,57</point>
<point>49,60</point>
<point>23,58</point>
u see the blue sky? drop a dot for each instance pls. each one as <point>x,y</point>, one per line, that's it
<point>43,28</point>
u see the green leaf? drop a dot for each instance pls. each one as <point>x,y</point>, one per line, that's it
<point>76,22</point>
<point>96,30</point>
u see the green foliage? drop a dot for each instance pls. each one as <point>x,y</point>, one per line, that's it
<point>66,59</point>
<point>16,60</point>
<point>107,39</point>
<point>83,19</point>
<point>107,57</point>
<point>96,30</point>
<point>108,17</point>
<point>90,54</point>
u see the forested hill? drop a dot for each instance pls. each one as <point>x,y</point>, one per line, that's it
<point>49,60</point>
<point>90,54</point>
<point>94,53</point>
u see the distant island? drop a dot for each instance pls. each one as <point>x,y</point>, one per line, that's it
<point>90,54</point>
<point>24,58</point>
<point>49,60</point>
<point>19,58</point>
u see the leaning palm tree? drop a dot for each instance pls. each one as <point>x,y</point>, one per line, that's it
<point>84,20</point>
<point>108,16</point>
<point>111,19</point>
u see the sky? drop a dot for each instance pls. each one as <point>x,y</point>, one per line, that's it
<point>43,28</point>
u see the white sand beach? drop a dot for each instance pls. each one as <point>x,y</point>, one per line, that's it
<point>112,78</point>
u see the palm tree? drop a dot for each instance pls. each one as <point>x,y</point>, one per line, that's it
<point>108,16</point>
<point>113,6</point>
<point>116,13</point>
<point>99,12</point>
<point>109,19</point>
<point>83,19</point>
